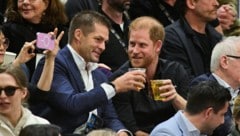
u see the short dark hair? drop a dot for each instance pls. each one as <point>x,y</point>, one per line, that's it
<point>207,94</point>
<point>86,20</point>
<point>40,130</point>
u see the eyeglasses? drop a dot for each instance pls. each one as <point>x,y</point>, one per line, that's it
<point>232,56</point>
<point>9,90</point>
<point>4,42</point>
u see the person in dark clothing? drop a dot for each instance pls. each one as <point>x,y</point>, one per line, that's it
<point>190,40</point>
<point>2,10</point>
<point>137,110</point>
<point>39,91</point>
<point>26,18</point>
<point>164,11</point>
<point>74,6</point>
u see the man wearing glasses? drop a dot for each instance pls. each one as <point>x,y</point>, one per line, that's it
<point>225,68</point>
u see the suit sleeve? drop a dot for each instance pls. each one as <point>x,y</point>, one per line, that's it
<point>63,94</point>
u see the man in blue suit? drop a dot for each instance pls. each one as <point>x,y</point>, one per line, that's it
<point>80,97</point>
<point>206,105</point>
<point>225,69</point>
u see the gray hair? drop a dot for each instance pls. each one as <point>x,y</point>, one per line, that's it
<point>228,46</point>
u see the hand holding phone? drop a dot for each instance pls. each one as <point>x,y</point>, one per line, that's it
<point>45,41</point>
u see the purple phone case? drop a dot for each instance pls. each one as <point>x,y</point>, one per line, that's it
<point>45,41</point>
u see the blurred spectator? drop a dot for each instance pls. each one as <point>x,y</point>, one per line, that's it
<point>234,28</point>
<point>163,10</point>
<point>72,7</point>
<point>40,91</point>
<point>2,10</point>
<point>13,116</point>
<point>190,40</point>
<point>27,17</point>
<point>40,130</point>
<point>236,117</point>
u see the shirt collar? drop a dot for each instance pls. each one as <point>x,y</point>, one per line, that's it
<point>190,127</point>
<point>80,62</point>
<point>221,81</point>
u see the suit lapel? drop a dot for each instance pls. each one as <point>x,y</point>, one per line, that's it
<point>74,72</point>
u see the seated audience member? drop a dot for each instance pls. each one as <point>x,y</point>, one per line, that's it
<point>39,91</point>
<point>27,17</point>
<point>225,71</point>
<point>165,12</point>
<point>236,117</point>
<point>139,112</point>
<point>234,27</point>
<point>80,98</point>
<point>72,7</point>
<point>207,103</point>
<point>13,116</point>
<point>102,132</point>
<point>190,39</point>
<point>2,10</point>
<point>40,130</point>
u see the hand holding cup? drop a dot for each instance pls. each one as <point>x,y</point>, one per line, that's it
<point>163,90</point>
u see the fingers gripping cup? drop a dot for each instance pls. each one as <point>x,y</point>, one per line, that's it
<point>139,69</point>
<point>156,93</point>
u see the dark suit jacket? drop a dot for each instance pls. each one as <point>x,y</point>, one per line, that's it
<point>69,103</point>
<point>181,44</point>
<point>224,129</point>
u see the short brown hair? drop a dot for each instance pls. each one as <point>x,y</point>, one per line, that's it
<point>156,29</point>
<point>86,20</point>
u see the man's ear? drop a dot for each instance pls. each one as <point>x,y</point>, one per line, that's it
<point>158,45</point>
<point>208,112</point>
<point>77,34</point>
<point>191,4</point>
<point>223,62</point>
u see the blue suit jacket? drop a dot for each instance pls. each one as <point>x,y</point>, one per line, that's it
<point>174,126</point>
<point>224,129</point>
<point>69,103</point>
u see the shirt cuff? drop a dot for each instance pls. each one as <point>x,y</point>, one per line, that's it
<point>109,90</point>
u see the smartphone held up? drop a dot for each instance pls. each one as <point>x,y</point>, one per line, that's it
<point>45,41</point>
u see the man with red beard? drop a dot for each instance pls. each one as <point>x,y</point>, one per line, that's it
<point>190,39</point>
<point>137,110</point>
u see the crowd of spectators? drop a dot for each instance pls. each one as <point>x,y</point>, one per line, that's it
<point>84,84</point>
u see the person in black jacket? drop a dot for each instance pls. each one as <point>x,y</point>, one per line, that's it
<point>190,39</point>
<point>139,112</point>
